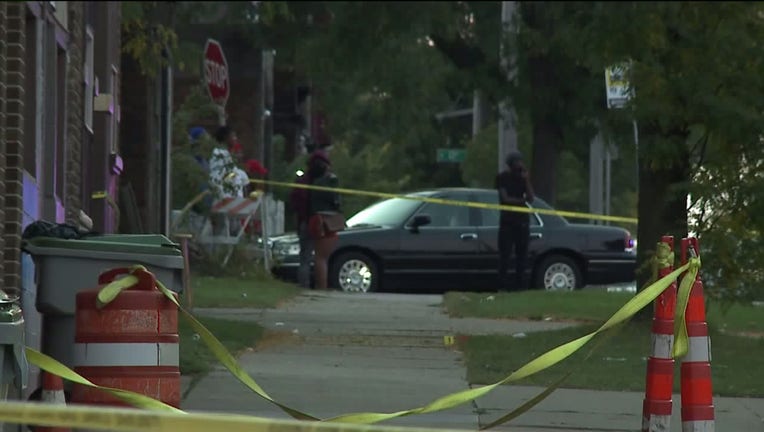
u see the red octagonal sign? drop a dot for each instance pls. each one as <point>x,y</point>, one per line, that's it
<point>216,72</point>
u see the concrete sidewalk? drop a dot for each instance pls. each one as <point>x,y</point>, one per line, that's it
<point>332,354</point>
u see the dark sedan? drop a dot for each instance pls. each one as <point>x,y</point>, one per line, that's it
<point>410,239</point>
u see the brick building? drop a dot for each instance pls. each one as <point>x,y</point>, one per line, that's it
<point>59,114</point>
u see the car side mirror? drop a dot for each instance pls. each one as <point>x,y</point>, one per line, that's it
<point>420,220</point>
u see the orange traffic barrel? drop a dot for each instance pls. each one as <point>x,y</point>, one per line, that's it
<point>657,404</point>
<point>696,386</point>
<point>131,343</point>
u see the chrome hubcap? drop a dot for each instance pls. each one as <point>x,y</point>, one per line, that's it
<point>355,276</point>
<point>559,277</point>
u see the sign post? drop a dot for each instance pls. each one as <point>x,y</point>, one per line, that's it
<point>216,75</point>
<point>618,92</point>
<point>617,85</point>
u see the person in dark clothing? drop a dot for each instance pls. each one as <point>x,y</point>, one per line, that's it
<point>325,218</point>
<point>300,203</point>
<point>514,188</point>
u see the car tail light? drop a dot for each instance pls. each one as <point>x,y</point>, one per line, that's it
<point>628,243</point>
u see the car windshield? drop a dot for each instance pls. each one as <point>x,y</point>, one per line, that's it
<point>384,213</point>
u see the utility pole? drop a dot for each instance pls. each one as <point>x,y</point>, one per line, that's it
<point>596,149</point>
<point>265,100</point>
<point>507,115</point>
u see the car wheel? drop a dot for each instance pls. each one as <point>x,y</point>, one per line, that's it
<point>354,272</point>
<point>559,273</point>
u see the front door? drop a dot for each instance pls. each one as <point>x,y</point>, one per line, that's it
<point>448,245</point>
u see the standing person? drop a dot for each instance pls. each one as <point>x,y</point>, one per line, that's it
<point>325,218</point>
<point>226,178</point>
<point>514,188</point>
<point>299,199</point>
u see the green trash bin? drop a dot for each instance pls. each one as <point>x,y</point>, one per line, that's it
<point>65,267</point>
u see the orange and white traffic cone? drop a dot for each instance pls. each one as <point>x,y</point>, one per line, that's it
<point>52,393</point>
<point>697,393</point>
<point>656,408</point>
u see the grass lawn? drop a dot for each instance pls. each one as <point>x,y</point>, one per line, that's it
<point>620,363</point>
<point>587,305</point>
<point>196,358</point>
<point>255,292</point>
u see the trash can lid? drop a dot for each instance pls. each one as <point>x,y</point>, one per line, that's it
<point>152,244</point>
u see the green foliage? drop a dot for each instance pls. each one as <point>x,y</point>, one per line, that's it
<point>188,177</point>
<point>698,75</point>
<point>482,152</point>
<point>382,71</point>
<point>481,162</point>
<point>372,176</point>
<point>145,38</point>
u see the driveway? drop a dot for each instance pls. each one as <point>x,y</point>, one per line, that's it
<point>335,353</point>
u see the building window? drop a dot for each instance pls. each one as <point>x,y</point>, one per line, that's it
<point>89,77</point>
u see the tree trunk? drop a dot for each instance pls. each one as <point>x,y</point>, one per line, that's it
<point>547,140</point>
<point>547,133</point>
<point>544,104</point>
<point>662,210</point>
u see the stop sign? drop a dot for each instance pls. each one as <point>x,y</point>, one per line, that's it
<point>216,72</point>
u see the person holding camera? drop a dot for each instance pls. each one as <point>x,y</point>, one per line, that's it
<point>514,188</point>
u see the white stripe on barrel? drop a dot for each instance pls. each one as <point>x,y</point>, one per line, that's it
<point>656,423</point>
<point>698,426</point>
<point>663,345</point>
<point>126,354</point>
<point>699,349</point>
<point>53,396</point>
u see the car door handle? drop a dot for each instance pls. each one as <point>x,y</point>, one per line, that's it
<point>469,236</point>
<point>536,235</point>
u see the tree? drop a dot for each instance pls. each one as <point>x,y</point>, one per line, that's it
<point>697,75</point>
<point>383,70</point>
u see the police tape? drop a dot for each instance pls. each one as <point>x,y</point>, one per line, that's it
<point>51,365</point>
<point>133,420</point>
<point>553,356</point>
<point>110,291</point>
<point>540,363</point>
<point>385,195</point>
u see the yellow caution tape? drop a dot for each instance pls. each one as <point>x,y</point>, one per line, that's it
<point>473,204</point>
<point>132,420</point>
<point>109,292</point>
<point>51,365</point>
<point>551,357</point>
<point>681,338</point>
<point>525,407</point>
<point>448,340</point>
<point>544,361</point>
<point>188,206</point>
<point>112,290</point>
